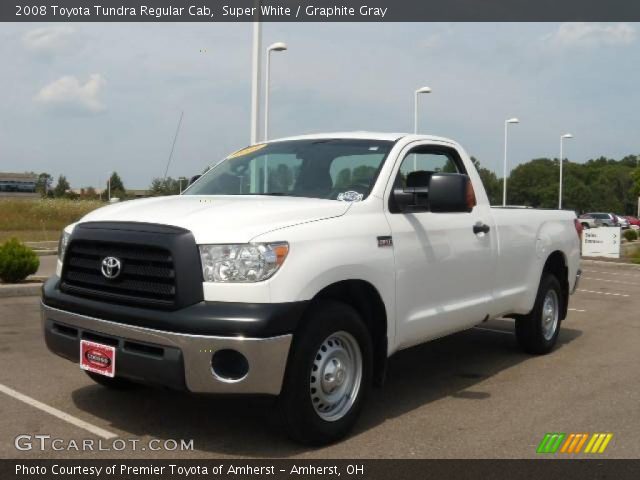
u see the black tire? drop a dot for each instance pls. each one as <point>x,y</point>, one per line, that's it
<point>301,421</point>
<point>529,328</point>
<point>114,383</point>
<point>586,226</point>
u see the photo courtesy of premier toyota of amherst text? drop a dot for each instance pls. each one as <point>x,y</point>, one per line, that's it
<point>279,239</point>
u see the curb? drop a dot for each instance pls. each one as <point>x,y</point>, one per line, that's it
<point>20,290</point>
<point>43,253</point>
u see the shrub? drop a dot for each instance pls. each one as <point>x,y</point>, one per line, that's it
<point>17,261</point>
<point>630,235</point>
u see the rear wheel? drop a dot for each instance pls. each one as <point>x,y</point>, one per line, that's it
<point>586,226</point>
<point>115,383</point>
<point>538,331</point>
<point>328,375</point>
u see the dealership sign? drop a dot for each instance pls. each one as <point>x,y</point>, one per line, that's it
<point>601,242</point>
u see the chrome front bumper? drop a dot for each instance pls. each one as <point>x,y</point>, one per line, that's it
<point>267,357</point>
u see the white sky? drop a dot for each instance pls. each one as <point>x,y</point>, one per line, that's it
<point>85,99</point>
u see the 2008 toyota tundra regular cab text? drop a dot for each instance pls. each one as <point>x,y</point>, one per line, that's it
<point>297,267</point>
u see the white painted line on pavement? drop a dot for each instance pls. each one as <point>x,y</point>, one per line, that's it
<point>617,274</point>
<point>576,310</point>
<point>615,264</point>
<point>604,293</point>
<point>493,330</point>
<point>58,413</point>
<point>623,282</point>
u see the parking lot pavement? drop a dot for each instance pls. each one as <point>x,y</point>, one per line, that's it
<point>471,395</point>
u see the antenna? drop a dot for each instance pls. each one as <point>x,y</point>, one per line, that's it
<point>173,145</point>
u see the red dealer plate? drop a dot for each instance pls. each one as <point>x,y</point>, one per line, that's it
<point>97,358</point>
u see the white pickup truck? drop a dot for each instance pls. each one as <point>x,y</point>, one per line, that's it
<point>296,267</point>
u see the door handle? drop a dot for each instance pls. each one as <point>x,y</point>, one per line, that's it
<point>481,228</point>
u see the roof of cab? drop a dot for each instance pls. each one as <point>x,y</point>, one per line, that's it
<point>362,135</point>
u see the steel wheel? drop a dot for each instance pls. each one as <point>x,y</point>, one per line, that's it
<point>550,315</point>
<point>336,375</point>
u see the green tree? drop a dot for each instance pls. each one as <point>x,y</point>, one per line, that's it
<point>61,187</point>
<point>43,184</point>
<point>491,183</point>
<point>166,186</point>
<point>117,187</point>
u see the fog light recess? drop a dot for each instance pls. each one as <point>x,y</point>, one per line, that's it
<point>229,365</point>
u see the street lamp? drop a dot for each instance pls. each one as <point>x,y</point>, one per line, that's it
<point>415,106</point>
<point>274,47</point>
<point>504,166</point>
<point>109,185</point>
<point>255,74</point>
<point>566,135</point>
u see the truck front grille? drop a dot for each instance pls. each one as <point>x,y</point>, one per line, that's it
<point>146,275</point>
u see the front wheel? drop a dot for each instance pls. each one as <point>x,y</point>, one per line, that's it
<point>328,375</point>
<point>537,332</point>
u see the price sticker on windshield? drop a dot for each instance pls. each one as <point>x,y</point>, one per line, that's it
<point>247,150</point>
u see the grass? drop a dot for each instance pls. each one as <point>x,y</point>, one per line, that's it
<point>33,220</point>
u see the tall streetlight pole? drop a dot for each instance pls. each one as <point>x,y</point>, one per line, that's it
<point>415,118</point>
<point>255,77</point>
<point>566,135</point>
<point>109,185</point>
<point>504,165</point>
<point>415,106</point>
<point>274,47</point>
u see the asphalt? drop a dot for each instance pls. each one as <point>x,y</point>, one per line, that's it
<point>470,395</point>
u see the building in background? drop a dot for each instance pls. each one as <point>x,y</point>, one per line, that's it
<point>18,183</point>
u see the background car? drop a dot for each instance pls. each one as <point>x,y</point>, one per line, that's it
<point>587,220</point>
<point>604,219</point>
<point>623,222</point>
<point>634,222</point>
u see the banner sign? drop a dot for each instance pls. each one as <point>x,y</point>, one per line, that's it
<point>319,11</point>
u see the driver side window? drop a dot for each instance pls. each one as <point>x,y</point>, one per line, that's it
<point>427,161</point>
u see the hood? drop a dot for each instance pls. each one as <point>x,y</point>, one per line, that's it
<point>221,219</point>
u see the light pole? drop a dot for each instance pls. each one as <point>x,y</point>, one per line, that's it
<point>255,76</point>
<point>415,106</point>
<point>504,165</point>
<point>274,47</point>
<point>566,135</point>
<point>109,185</point>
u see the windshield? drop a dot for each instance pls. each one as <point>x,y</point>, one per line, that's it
<point>335,169</point>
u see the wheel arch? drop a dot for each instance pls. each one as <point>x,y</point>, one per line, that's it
<point>363,297</point>
<point>557,265</point>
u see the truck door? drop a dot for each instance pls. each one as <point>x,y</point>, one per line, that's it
<point>444,267</point>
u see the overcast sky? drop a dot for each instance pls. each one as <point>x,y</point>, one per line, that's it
<point>85,99</point>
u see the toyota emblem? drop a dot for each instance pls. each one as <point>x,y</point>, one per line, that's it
<point>111,267</point>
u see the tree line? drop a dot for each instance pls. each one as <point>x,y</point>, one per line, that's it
<point>600,184</point>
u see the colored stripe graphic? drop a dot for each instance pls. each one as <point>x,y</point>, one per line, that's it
<point>598,443</point>
<point>573,443</point>
<point>551,442</point>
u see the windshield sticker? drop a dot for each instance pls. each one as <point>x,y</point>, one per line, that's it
<point>350,196</point>
<point>373,149</point>
<point>247,150</point>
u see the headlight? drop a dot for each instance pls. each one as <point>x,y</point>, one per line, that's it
<point>62,244</point>
<point>250,262</point>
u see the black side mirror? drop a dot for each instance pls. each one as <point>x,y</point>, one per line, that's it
<point>194,178</point>
<point>450,192</point>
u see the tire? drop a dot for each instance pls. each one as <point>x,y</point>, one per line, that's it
<point>537,332</point>
<point>115,383</point>
<point>318,412</point>
<point>586,226</point>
